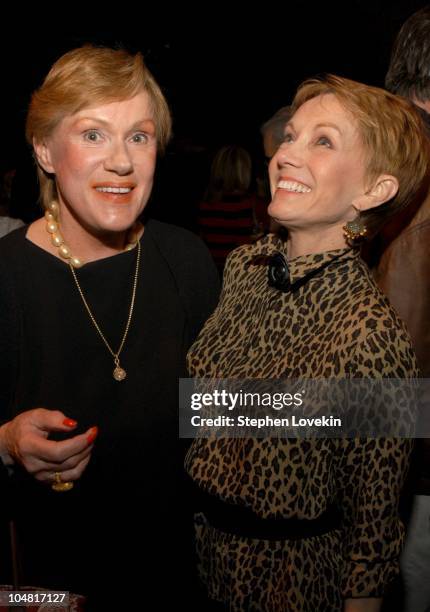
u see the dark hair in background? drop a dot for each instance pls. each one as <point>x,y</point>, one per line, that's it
<point>409,71</point>
<point>276,124</point>
<point>231,173</point>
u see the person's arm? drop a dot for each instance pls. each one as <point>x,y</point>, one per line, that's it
<point>403,274</point>
<point>24,437</point>
<point>373,473</point>
<point>373,534</point>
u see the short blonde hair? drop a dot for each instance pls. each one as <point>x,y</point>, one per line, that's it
<point>85,77</point>
<point>393,135</point>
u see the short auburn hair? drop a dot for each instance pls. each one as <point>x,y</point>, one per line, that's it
<point>393,135</point>
<point>85,77</point>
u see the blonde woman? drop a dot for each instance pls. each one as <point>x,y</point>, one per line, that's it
<point>98,309</point>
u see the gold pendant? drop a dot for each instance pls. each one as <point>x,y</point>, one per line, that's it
<point>119,374</point>
<point>62,486</point>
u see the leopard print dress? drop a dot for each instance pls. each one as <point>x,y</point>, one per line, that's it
<point>337,324</point>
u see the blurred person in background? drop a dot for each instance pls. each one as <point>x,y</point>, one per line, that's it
<point>231,213</point>
<point>403,273</point>
<point>272,132</point>
<point>7,223</point>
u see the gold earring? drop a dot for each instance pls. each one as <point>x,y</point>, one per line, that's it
<point>354,230</point>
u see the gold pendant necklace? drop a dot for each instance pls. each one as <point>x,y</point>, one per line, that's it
<point>57,240</point>
<point>60,486</point>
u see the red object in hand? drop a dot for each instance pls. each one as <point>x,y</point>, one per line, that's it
<point>70,422</point>
<point>93,434</point>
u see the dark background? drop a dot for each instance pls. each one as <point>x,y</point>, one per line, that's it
<point>223,76</point>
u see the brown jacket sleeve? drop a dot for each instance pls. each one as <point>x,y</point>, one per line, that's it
<point>403,274</point>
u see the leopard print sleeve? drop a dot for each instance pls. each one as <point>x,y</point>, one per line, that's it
<point>372,476</point>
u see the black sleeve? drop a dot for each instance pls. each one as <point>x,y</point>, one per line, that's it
<point>9,341</point>
<point>194,271</point>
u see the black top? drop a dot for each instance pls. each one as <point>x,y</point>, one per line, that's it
<point>51,356</point>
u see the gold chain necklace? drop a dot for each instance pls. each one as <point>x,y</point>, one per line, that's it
<point>74,262</point>
<point>119,373</point>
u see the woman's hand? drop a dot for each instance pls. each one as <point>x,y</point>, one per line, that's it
<point>24,440</point>
<point>365,604</point>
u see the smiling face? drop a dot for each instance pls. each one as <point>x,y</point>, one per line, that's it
<point>103,159</point>
<point>317,176</point>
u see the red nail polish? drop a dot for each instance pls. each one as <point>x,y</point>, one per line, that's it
<point>93,434</point>
<point>70,422</point>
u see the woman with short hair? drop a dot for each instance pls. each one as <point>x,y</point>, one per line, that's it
<point>296,524</point>
<point>99,306</point>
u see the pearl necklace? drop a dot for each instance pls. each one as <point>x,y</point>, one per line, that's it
<point>52,227</point>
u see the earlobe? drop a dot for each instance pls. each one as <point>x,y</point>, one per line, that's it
<point>384,189</point>
<point>43,156</point>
